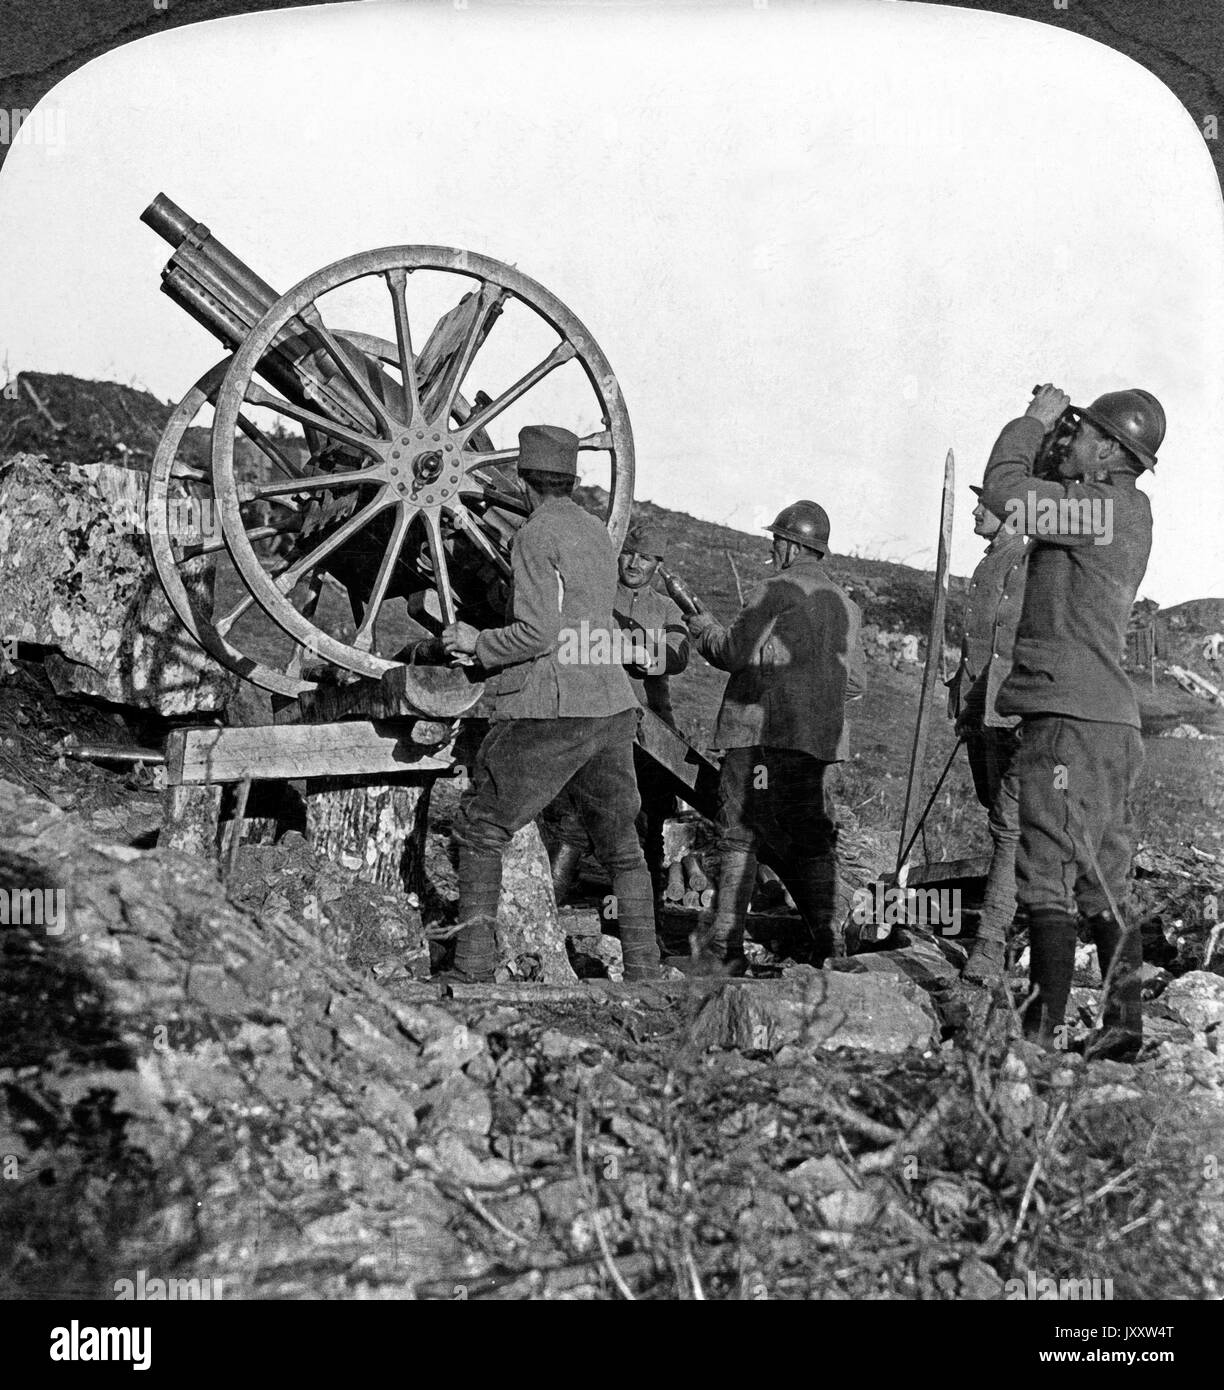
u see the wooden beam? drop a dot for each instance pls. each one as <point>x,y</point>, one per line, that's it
<point>285,752</point>
<point>694,776</point>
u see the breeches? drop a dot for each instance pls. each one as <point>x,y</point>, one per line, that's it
<point>524,764</point>
<point>1077,778</point>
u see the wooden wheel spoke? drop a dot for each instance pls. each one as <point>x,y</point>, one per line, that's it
<point>287,581</point>
<point>257,395</point>
<point>364,640</point>
<point>563,352</point>
<point>489,459</point>
<point>224,624</point>
<point>265,445</point>
<point>186,471</point>
<point>314,483</point>
<point>501,457</point>
<point>433,532</point>
<point>471,528</point>
<point>260,533</point>
<point>490,298</point>
<point>507,501</point>
<point>397,283</point>
<point>351,373</point>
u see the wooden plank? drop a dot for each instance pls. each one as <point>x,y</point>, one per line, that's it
<point>285,752</point>
<point>694,777</point>
<point>943,871</point>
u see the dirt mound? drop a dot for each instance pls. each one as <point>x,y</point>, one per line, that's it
<point>68,419</point>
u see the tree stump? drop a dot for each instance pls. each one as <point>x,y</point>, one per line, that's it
<point>374,827</point>
<point>192,815</point>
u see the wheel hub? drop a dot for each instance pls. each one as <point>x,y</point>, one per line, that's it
<point>423,465</point>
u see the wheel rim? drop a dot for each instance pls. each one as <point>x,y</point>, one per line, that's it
<point>166,540</point>
<point>412,450</point>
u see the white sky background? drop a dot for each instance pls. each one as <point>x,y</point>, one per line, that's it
<point>819,244</point>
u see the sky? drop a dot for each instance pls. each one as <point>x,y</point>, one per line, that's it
<point>820,244</point>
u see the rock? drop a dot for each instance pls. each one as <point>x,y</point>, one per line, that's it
<point>597,957</point>
<point>1021,1111</point>
<point>821,1175</point>
<point>818,1009</point>
<point>921,961</point>
<point>1196,1000</point>
<point>848,1209</point>
<point>77,577</point>
<point>978,1280</point>
<point>530,942</point>
<point>1087,966</point>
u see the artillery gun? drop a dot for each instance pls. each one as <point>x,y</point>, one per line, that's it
<point>358,458</point>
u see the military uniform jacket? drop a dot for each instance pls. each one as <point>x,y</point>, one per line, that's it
<point>992,613</point>
<point>795,658</point>
<point>1077,601</point>
<point>564,576</point>
<point>646,609</point>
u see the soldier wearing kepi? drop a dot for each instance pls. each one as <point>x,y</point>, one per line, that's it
<point>1080,746</point>
<point>794,658</point>
<point>557,721</point>
<point>657,627</point>
<point>992,610</point>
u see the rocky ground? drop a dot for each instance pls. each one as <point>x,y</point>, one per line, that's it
<point>238,1079</point>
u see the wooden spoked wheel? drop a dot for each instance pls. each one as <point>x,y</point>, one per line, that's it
<point>404,493</point>
<point>183,525</point>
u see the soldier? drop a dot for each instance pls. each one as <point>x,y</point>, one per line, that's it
<point>794,658</point>
<point>996,596</point>
<point>564,714</point>
<point>1080,746</point>
<point>657,626</point>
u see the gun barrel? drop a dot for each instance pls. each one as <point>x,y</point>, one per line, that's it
<point>221,292</point>
<point>219,274</point>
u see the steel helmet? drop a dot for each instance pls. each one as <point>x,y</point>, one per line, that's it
<point>806,523</point>
<point>1135,418</point>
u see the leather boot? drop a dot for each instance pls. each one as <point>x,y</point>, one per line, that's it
<point>989,955</point>
<point>563,862</point>
<point>479,890</point>
<point>1120,955</point>
<point>1051,965</point>
<point>722,951</point>
<point>812,883</point>
<point>635,914</point>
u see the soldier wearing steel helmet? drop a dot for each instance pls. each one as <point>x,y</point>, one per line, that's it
<point>794,658</point>
<point>1080,746</point>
